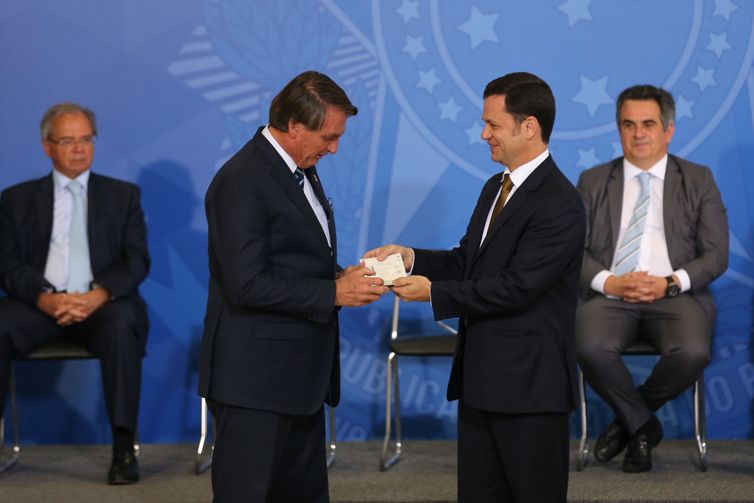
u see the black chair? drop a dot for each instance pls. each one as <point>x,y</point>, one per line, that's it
<point>407,345</point>
<point>641,347</point>
<point>205,449</point>
<point>62,349</point>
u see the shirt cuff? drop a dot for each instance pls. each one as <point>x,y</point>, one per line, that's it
<point>684,278</point>
<point>413,263</point>
<point>598,282</point>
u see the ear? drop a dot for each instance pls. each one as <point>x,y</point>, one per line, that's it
<point>669,132</point>
<point>46,146</point>
<point>294,128</point>
<point>531,127</point>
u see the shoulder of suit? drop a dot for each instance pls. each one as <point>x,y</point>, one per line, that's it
<point>28,186</point>
<point>111,183</point>
<point>687,166</point>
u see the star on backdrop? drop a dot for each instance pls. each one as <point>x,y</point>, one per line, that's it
<point>480,27</point>
<point>593,94</point>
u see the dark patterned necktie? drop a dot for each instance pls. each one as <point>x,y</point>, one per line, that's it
<point>299,174</point>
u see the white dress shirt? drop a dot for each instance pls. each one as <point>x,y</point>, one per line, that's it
<point>653,251</point>
<point>319,211</point>
<point>56,269</point>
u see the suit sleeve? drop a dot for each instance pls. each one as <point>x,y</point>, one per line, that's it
<point>238,216</point>
<point>590,266</point>
<point>550,243</point>
<point>123,275</point>
<point>711,236</point>
<point>17,278</point>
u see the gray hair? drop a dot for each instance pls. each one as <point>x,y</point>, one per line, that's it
<point>646,92</point>
<point>65,108</point>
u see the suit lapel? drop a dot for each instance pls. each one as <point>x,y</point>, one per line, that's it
<point>615,202</point>
<point>670,188</point>
<point>319,191</point>
<point>44,200</point>
<point>518,198</point>
<point>283,176</point>
<point>93,200</point>
<point>476,228</point>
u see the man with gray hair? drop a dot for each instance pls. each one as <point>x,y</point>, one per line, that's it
<point>657,236</point>
<point>73,251</point>
<point>270,352</point>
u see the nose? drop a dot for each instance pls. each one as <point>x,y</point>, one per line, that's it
<point>486,134</point>
<point>332,147</point>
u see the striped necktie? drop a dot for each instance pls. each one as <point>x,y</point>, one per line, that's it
<point>627,256</point>
<point>505,190</point>
<point>79,266</point>
<point>299,174</point>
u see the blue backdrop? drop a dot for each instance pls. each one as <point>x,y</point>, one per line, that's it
<point>179,85</point>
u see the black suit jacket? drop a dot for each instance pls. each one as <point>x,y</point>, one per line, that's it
<point>516,295</point>
<point>271,328</point>
<point>116,231</point>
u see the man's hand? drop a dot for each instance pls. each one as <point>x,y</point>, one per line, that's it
<point>412,288</point>
<point>68,308</point>
<point>381,253</point>
<point>636,287</point>
<point>358,286</point>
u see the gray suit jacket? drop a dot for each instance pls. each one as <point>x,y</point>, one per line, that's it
<point>695,220</point>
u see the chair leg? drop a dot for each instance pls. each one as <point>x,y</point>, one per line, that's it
<point>12,458</point>
<point>202,461</point>
<point>700,430</point>
<point>583,444</point>
<point>388,459</point>
<point>333,441</point>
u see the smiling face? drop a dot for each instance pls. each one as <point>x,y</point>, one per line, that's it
<point>642,135</point>
<point>311,145</point>
<point>503,133</point>
<point>75,154</point>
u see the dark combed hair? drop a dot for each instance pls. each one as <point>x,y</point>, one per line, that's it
<point>64,108</point>
<point>648,92</point>
<point>526,95</point>
<point>305,99</point>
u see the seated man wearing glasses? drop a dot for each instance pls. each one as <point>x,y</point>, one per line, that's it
<point>73,251</point>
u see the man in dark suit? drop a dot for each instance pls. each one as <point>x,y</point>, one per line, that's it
<point>513,281</point>
<point>73,251</point>
<point>657,235</point>
<point>270,351</point>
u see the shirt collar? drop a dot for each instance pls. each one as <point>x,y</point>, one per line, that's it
<point>521,173</point>
<point>61,181</point>
<point>287,158</point>
<point>658,169</point>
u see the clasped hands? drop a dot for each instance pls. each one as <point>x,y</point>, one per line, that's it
<point>69,308</point>
<point>636,287</point>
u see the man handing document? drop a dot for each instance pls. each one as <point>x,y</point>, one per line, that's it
<point>513,280</point>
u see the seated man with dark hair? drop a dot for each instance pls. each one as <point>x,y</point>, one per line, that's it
<point>73,251</point>
<point>657,236</point>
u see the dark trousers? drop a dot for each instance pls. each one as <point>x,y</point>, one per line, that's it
<point>263,456</point>
<point>518,458</point>
<point>678,328</point>
<point>111,333</point>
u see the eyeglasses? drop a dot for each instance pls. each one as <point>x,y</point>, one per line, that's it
<point>67,142</point>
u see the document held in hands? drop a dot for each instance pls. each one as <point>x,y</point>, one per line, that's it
<point>389,269</point>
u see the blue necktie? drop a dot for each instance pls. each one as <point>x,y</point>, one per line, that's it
<point>79,267</point>
<point>627,257</point>
<point>299,174</point>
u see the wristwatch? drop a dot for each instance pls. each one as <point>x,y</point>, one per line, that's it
<point>673,288</point>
